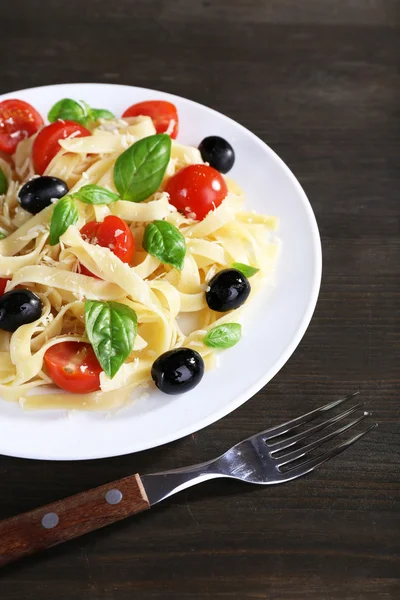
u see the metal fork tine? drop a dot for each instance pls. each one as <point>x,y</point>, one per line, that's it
<point>285,427</point>
<point>305,434</point>
<point>296,454</point>
<point>313,463</point>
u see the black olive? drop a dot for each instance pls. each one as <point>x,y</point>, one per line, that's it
<point>19,307</point>
<point>177,371</point>
<point>37,193</point>
<point>218,153</point>
<point>228,289</point>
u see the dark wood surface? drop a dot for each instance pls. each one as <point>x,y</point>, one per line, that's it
<point>317,80</point>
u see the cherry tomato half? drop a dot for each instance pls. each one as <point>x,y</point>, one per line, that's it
<point>112,233</point>
<point>3,283</point>
<point>89,230</point>
<point>46,145</point>
<point>18,120</point>
<point>164,115</point>
<point>73,366</point>
<point>196,189</point>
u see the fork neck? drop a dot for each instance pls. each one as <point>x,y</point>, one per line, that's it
<point>159,486</point>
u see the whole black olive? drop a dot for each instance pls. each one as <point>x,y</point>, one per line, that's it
<point>218,153</point>
<point>228,289</point>
<point>37,193</point>
<point>177,371</point>
<point>19,307</point>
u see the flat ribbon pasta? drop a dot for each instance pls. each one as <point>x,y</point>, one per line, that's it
<point>161,296</point>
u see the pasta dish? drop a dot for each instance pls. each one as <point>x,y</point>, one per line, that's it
<point>126,258</point>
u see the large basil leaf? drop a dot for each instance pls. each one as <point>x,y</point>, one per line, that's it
<point>70,110</point>
<point>165,242</point>
<point>3,182</point>
<point>246,270</point>
<point>67,110</point>
<point>2,235</point>
<point>65,213</point>
<point>111,328</point>
<point>94,194</point>
<point>223,336</point>
<point>138,172</point>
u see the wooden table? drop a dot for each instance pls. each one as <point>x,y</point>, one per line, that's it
<point>317,81</point>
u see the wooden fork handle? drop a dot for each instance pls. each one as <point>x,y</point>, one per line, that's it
<point>69,518</point>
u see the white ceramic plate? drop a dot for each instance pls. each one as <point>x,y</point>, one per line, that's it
<point>274,325</point>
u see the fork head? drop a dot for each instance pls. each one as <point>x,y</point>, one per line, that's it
<point>255,459</point>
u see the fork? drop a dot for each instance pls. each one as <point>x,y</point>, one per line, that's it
<point>258,460</point>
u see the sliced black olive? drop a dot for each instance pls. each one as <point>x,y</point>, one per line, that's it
<point>228,289</point>
<point>19,307</point>
<point>38,193</point>
<point>177,371</point>
<point>218,153</point>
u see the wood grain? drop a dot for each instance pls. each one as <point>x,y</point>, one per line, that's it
<point>317,80</point>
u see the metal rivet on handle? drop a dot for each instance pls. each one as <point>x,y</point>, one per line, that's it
<point>113,496</point>
<point>50,520</point>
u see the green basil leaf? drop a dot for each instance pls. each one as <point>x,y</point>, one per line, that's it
<point>111,328</point>
<point>165,242</point>
<point>223,336</point>
<point>67,110</point>
<point>80,112</point>
<point>93,114</point>
<point>3,182</point>
<point>65,213</point>
<point>245,269</point>
<point>94,194</point>
<point>101,113</point>
<point>2,235</point>
<point>86,107</point>
<point>139,171</point>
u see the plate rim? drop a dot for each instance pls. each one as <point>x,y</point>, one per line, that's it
<point>291,347</point>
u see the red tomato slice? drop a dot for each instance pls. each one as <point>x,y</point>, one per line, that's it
<point>164,115</point>
<point>3,283</point>
<point>115,234</point>
<point>73,366</point>
<point>46,145</point>
<point>88,231</point>
<point>18,120</point>
<point>112,233</point>
<point>196,189</point>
